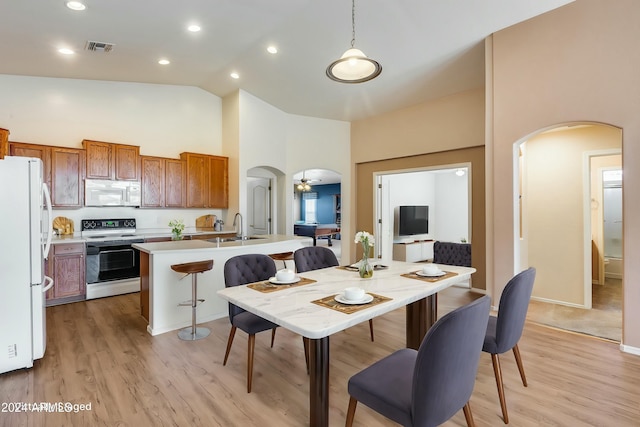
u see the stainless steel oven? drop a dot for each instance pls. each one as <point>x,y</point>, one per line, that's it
<point>112,264</point>
<point>112,260</point>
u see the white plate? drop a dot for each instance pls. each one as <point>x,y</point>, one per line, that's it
<point>278,282</point>
<point>438,274</point>
<point>365,300</point>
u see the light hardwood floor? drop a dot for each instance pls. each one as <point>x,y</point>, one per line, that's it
<point>100,353</point>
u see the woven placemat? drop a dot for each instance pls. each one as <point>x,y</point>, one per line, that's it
<point>330,302</point>
<point>429,279</point>
<point>267,286</point>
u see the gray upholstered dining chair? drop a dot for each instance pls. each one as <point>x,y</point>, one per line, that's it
<point>504,331</point>
<point>451,253</point>
<point>317,257</point>
<point>426,387</point>
<point>240,270</point>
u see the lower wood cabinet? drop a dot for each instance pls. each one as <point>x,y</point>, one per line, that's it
<point>66,266</point>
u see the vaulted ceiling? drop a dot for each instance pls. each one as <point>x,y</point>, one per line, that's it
<point>427,48</point>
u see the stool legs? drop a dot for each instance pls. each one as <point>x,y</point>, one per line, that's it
<point>192,332</point>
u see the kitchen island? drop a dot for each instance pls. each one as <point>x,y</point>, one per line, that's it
<point>162,289</point>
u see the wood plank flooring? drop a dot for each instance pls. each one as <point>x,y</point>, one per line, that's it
<point>99,352</point>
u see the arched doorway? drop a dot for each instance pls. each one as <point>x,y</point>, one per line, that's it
<point>556,204</point>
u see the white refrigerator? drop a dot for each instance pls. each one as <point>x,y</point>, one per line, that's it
<point>25,240</point>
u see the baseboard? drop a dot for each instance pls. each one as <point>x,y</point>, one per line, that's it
<point>553,301</point>
<point>631,350</point>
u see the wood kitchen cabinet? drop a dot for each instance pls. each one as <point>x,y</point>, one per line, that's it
<point>67,172</point>
<point>163,182</point>
<point>67,269</point>
<point>4,143</point>
<point>207,180</point>
<point>106,160</point>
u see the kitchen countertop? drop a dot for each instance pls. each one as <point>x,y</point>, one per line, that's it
<point>198,244</point>
<point>144,233</point>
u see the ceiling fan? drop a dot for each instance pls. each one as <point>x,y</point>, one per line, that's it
<point>304,184</point>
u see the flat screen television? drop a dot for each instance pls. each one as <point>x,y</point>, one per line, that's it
<point>413,220</point>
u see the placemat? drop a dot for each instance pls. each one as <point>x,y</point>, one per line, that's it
<point>330,302</point>
<point>429,279</point>
<point>267,286</point>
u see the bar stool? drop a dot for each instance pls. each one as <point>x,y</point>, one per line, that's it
<point>192,333</point>
<point>282,256</point>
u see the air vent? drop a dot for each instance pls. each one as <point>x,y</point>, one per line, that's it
<point>99,46</point>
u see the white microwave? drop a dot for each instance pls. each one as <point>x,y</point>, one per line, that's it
<point>102,192</point>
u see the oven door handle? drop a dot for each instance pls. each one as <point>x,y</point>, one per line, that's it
<point>117,250</point>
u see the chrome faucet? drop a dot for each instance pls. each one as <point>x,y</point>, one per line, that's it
<point>239,229</point>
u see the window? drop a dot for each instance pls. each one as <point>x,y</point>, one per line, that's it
<point>310,207</point>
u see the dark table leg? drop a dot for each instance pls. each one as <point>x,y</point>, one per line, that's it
<point>421,315</point>
<point>319,382</point>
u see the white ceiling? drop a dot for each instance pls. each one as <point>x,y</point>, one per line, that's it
<point>427,48</point>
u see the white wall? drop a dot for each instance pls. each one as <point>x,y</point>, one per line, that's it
<point>451,211</point>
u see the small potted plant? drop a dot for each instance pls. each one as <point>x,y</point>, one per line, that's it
<point>177,227</point>
<point>366,240</point>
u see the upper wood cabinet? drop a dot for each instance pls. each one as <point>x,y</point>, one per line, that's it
<point>163,182</point>
<point>67,171</point>
<point>207,180</point>
<point>106,160</point>
<point>4,143</point>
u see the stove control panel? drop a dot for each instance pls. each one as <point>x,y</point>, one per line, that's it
<point>127,224</point>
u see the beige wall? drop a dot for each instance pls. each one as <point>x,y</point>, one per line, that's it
<point>553,203</point>
<point>576,63</point>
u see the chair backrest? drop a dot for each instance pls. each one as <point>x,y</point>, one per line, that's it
<point>451,253</point>
<point>243,269</point>
<point>313,258</point>
<point>447,363</point>
<point>512,310</point>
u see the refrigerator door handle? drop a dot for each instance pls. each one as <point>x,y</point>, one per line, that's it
<point>48,285</point>
<point>47,197</point>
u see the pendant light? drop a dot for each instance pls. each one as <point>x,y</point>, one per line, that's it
<point>353,66</point>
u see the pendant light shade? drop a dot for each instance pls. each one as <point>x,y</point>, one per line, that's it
<point>353,66</point>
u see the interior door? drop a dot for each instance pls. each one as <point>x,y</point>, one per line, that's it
<point>259,206</point>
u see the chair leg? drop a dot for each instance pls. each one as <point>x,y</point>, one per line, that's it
<point>305,343</point>
<point>498,372</point>
<point>371,328</point>
<point>232,333</point>
<point>273,336</point>
<point>468,416</point>
<point>252,346</point>
<point>351,411</point>
<point>516,353</point>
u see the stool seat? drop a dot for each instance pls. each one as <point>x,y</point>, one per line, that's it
<point>193,267</point>
<point>193,333</point>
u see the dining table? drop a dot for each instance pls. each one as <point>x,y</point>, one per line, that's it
<point>314,307</point>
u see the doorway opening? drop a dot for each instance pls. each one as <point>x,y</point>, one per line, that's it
<point>559,228</point>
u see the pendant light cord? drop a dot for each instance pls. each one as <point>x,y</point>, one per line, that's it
<point>353,23</point>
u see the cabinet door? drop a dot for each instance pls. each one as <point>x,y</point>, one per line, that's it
<point>153,170</point>
<point>197,179</point>
<point>175,183</point>
<point>4,143</point>
<point>99,159</point>
<point>67,170</point>
<point>127,161</point>
<point>68,276</point>
<point>42,152</point>
<point>218,182</point>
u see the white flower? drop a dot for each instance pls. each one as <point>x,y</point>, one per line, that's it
<point>364,237</point>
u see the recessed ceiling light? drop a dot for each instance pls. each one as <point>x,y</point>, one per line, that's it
<point>194,28</point>
<point>272,49</point>
<point>66,51</point>
<point>235,75</point>
<point>164,62</point>
<point>76,5</point>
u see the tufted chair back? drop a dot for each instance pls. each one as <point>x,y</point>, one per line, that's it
<point>450,253</point>
<point>313,258</point>
<point>243,269</point>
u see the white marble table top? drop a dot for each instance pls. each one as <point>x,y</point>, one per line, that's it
<point>292,308</point>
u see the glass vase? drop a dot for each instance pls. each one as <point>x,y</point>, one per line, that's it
<point>365,268</point>
<point>176,236</point>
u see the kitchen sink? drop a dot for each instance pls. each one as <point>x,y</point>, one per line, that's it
<point>234,239</point>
